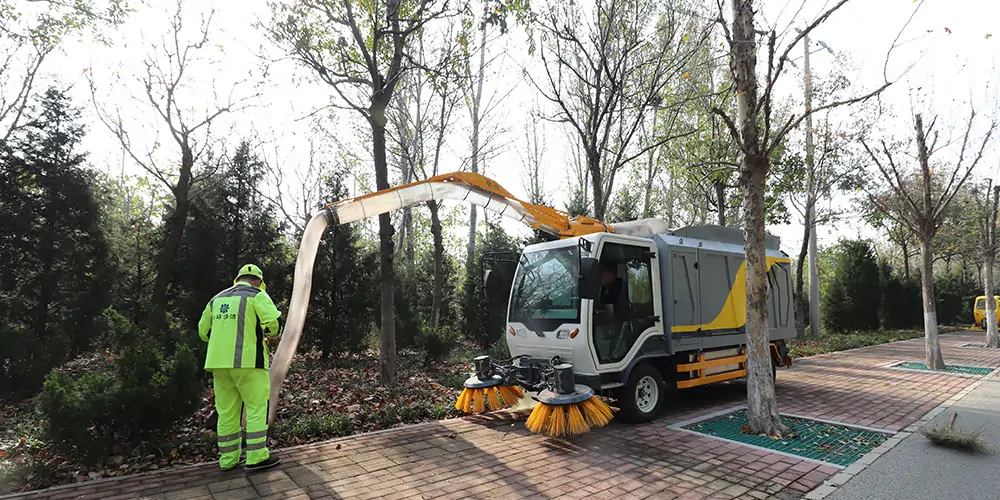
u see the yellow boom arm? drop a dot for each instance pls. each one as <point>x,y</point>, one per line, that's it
<point>459,186</point>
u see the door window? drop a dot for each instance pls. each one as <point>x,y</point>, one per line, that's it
<point>625,307</point>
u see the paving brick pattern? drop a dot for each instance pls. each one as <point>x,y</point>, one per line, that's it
<point>495,457</point>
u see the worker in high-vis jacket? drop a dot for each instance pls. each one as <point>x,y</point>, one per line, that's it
<point>237,323</point>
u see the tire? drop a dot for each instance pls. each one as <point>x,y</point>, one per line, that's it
<point>774,372</point>
<point>984,324</point>
<point>641,398</point>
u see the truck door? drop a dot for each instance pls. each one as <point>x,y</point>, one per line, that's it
<point>628,309</point>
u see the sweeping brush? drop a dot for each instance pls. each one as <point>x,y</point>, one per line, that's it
<point>479,400</point>
<point>568,409</point>
<point>485,390</point>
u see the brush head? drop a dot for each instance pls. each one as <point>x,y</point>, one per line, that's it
<point>575,413</point>
<point>568,419</point>
<point>480,400</point>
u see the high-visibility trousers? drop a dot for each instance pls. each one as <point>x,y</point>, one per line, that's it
<point>235,387</point>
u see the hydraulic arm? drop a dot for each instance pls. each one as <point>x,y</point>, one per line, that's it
<point>459,186</point>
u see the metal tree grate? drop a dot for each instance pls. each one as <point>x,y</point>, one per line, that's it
<point>831,443</point>
<point>959,369</point>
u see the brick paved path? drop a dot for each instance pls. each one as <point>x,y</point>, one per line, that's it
<point>495,457</point>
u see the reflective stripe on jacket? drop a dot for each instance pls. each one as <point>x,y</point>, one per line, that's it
<point>234,324</point>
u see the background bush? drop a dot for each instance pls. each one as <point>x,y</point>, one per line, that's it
<point>141,398</point>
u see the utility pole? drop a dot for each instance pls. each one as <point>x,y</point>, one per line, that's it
<point>811,201</point>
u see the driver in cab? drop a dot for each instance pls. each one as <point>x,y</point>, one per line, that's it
<point>611,309</point>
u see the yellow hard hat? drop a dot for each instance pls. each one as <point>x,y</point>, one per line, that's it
<point>251,270</point>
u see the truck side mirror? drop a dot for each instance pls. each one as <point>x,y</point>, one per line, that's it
<point>590,278</point>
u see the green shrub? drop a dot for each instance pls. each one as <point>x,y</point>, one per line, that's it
<point>954,292</point>
<point>437,344</point>
<point>25,359</point>
<point>850,299</point>
<point>115,331</point>
<point>145,395</point>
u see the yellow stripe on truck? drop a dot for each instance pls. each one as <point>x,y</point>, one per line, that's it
<point>734,312</point>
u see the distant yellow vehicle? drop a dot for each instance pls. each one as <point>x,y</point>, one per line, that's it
<point>980,310</point>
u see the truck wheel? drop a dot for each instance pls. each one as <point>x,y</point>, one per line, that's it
<point>984,324</point>
<point>641,397</point>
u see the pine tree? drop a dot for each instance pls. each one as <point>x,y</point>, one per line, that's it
<point>55,272</point>
<point>345,286</point>
<point>228,226</point>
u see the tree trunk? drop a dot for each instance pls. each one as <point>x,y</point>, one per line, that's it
<point>178,220</point>
<point>387,351</point>
<point>720,197</point>
<point>476,119</point>
<point>438,257</point>
<point>906,260</point>
<point>594,166</point>
<point>927,229</point>
<point>934,359</point>
<point>801,305</point>
<point>992,335</point>
<point>762,403</point>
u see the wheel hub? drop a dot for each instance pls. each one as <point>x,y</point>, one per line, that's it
<point>646,394</point>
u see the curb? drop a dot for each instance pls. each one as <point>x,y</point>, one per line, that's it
<point>842,477</point>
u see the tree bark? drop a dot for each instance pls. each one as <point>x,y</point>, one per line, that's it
<point>438,258</point>
<point>178,220</point>
<point>762,404</point>
<point>992,335</point>
<point>934,358</point>
<point>387,350</point>
<point>927,230</point>
<point>597,182</point>
<point>906,259</point>
<point>801,305</point>
<point>720,197</point>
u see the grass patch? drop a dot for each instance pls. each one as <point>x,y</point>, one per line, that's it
<point>835,342</point>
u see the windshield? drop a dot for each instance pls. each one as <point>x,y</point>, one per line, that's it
<point>545,288</point>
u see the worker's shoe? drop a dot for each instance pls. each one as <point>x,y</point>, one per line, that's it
<point>266,464</point>
<point>243,460</point>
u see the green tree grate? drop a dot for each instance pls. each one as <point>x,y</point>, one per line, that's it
<point>831,443</point>
<point>964,370</point>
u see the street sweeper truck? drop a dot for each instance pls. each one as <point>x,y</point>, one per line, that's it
<point>631,311</point>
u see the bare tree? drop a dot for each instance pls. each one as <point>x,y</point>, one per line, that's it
<point>605,77</point>
<point>421,126</point>
<point>532,157</point>
<point>752,130</point>
<point>359,50</point>
<point>987,203</point>
<point>832,166</point>
<point>168,73</point>
<point>482,139</point>
<point>920,204</point>
<point>29,33</point>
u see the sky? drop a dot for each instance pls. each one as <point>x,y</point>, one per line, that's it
<point>944,69</point>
